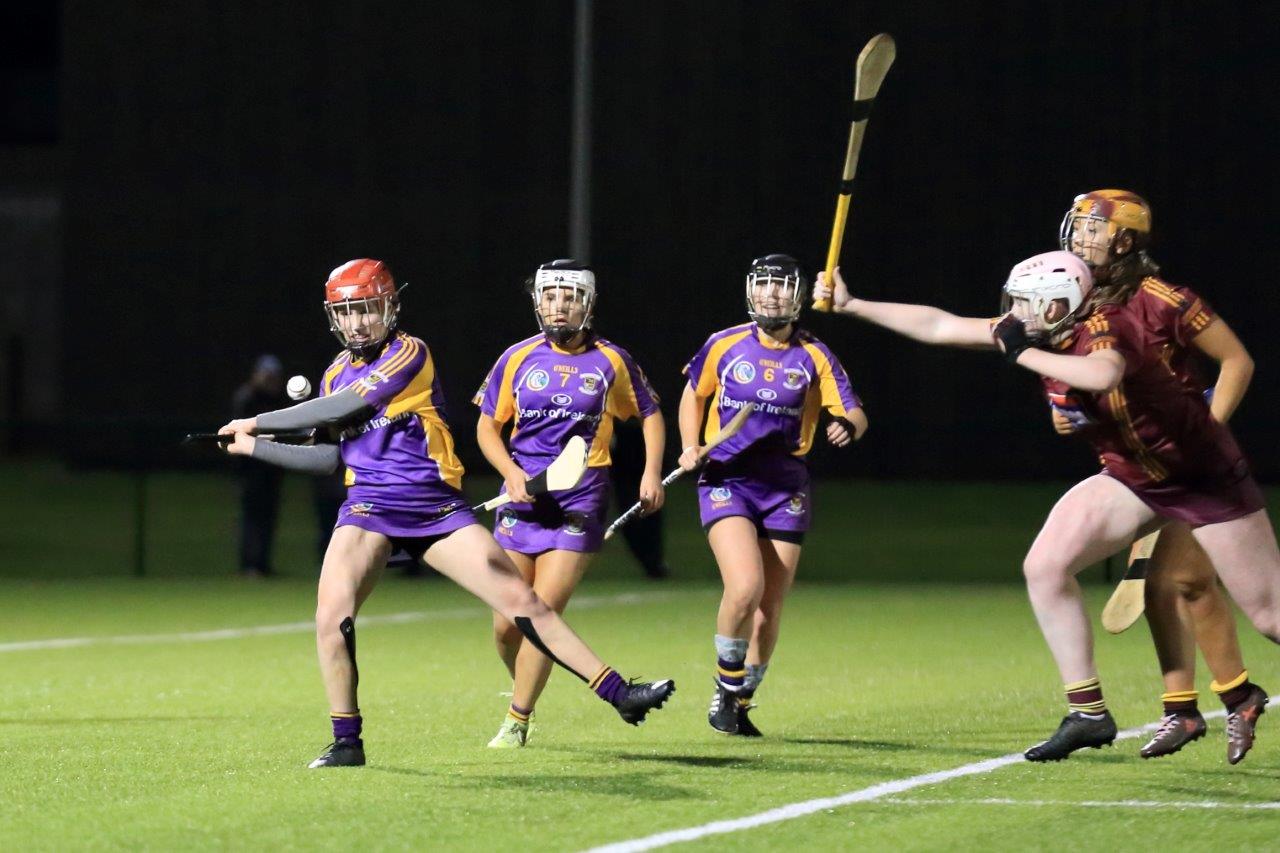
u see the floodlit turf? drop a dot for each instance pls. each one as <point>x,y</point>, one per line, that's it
<point>178,744</point>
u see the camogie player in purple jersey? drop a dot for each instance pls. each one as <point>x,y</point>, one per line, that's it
<point>565,381</point>
<point>754,492</point>
<point>382,399</point>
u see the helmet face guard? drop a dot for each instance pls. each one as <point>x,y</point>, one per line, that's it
<point>1046,292</point>
<point>362,303</point>
<point>1082,232</point>
<point>775,278</point>
<point>1090,227</point>
<point>368,323</point>
<point>561,288</point>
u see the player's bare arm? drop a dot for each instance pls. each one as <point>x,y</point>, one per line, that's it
<point>841,432</point>
<point>923,323</point>
<point>652,494</point>
<point>692,409</point>
<point>1098,372</point>
<point>1235,367</point>
<point>489,437</point>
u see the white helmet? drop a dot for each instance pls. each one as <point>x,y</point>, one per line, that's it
<point>1045,291</point>
<point>570,274</point>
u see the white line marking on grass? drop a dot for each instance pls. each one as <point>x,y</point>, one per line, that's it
<point>580,603</point>
<point>863,795</point>
<point>1092,804</point>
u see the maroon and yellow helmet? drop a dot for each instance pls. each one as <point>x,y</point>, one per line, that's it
<point>1118,210</point>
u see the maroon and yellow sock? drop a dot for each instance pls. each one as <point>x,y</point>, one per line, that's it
<point>1086,697</point>
<point>520,715</point>
<point>346,724</point>
<point>1234,691</point>
<point>1181,702</point>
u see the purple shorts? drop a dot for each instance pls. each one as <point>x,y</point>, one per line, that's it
<point>412,525</point>
<point>571,520</point>
<point>773,495</point>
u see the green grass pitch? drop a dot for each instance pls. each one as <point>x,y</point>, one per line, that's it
<point>143,736</point>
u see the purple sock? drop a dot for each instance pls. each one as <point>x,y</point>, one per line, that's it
<point>732,673</point>
<point>346,725</point>
<point>610,687</point>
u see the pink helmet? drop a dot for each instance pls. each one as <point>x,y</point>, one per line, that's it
<point>1045,291</point>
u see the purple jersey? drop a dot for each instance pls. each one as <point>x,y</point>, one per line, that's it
<point>405,447</point>
<point>554,394</point>
<point>789,383</point>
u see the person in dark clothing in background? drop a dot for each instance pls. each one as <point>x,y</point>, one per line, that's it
<point>259,483</point>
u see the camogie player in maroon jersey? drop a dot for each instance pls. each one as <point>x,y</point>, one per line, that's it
<point>1165,458</point>
<point>1109,230</point>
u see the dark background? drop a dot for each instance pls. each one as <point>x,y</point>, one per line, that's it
<point>214,160</point>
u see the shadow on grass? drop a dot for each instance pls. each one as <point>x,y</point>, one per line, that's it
<point>688,760</point>
<point>634,786</point>
<point>402,771</point>
<point>975,751</point>
<point>854,743</point>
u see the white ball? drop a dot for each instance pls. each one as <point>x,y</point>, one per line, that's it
<point>299,388</point>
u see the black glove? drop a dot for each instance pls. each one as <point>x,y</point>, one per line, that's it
<point>1013,334</point>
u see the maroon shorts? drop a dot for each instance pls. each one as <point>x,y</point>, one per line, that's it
<point>1201,503</point>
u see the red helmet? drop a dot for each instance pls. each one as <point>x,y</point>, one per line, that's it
<point>363,278</point>
<point>364,288</point>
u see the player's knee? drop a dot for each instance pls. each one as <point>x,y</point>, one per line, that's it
<point>329,615</point>
<point>1040,569</point>
<point>517,598</point>
<point>743,599</point>
<point>1267,621</point>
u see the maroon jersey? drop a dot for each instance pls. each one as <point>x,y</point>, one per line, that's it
<point>1155,426</point>
<point>1171,316</point>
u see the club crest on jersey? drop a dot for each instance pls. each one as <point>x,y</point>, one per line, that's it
<point>590,384</point>
<point>744,372</point>
<point>537,380</point>
<point>792,379</point>
<point>562,399</point>
<point>767,394</point>
<point>796,505</point>
<point>507,519</point>
<point>371,379</point>
<point>361,509</point>
<point>575,523</point>
<point>720,494</point>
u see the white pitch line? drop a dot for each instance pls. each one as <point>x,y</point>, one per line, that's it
<point>1092,804</point>
<point>583,602</point>
<point>808,807</point>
